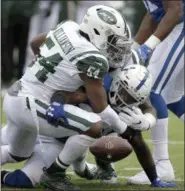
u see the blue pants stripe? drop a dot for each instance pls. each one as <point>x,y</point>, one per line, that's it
<point>173,68</point>
<point>166,64</point>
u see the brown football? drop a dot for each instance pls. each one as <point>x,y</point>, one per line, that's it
<point>111,148</point>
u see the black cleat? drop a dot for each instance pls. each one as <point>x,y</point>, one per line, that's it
<point>107,176</point>
<point>57,182</point>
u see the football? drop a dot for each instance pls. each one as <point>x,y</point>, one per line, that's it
<point>111,148</point>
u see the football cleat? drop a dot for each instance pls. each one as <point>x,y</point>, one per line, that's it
<point>164,171</point>
<point>89,172</point>
<point>107,176</point>
<point>3,174</point>
<point>57,182</point>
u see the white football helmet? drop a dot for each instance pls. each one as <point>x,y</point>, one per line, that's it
<point>108,31</point>
<point>130,87</point>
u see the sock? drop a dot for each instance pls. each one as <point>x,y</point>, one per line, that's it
<point>17,178</point>
<point>178,108</point>
<point>159,132</point>
<point>5,155</point>
<point>159,135</point>
<point>75,147</point>
<point>104,165</point>
<point>57,166</point>
<point>80,164</point>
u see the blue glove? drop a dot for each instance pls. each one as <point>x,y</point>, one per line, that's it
<point>144,52</point>
<point>159,183</point>
<point>55,113</point>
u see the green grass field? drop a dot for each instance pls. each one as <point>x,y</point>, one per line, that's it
<point>130,165</point>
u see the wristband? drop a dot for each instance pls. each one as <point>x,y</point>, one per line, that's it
<point>135,45</point>
<point>151,119</point>
<point>152,42</point>
<point>109,116</point>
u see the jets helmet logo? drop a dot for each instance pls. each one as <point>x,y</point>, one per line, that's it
<point>107,17</point>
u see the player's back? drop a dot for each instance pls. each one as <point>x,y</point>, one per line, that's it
<point>59,65</point>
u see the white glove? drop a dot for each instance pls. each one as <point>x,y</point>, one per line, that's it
<point>134,118</point>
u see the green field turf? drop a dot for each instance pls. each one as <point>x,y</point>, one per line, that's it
<point>130,165</point>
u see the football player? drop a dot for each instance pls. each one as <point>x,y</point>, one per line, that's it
<point>162,34</point>
<point>133,80</point>
<point>68,57</point>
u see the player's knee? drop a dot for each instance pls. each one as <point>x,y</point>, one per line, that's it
<point>95,131</point>
<point>160,105</point>
<point>177,107</point>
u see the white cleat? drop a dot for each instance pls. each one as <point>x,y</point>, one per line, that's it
<point>164,170</point>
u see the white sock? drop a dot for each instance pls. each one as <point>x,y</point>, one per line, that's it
<point>5,156</point>
<point>4,135</point>
<point>80,163</point>
<point>75,147</point>
<point>159,135</point>
<point>182,117</point>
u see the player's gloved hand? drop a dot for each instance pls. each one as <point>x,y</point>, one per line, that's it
<point>144,52</point>
<point>134,118</point>
<point>55,113</point>
<point>159,183</point>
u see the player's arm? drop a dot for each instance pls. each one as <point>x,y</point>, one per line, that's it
<point>146,29</point>
<point>36,43</point>
<point>147,107</point>
<point>173,15</point>
<point>77,97</point>
<point>93,82</point>
<point>171,18</point>
<point>95,92</point>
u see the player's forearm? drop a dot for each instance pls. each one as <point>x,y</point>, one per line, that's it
<point>146,29</point>
<point>98,98</point>
<point>148,108</point>
<point>36,43</point>
<point>169,21</point>
<point>144,156</point>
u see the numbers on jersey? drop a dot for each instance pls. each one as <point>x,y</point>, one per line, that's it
<point>49,63</point>
<point>93,72</point>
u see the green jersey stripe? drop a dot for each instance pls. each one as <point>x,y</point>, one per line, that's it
<point>70,127</point>
<point>78,119</point>
<point>84,53</point>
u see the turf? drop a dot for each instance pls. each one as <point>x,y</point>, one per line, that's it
<point>130,165</point>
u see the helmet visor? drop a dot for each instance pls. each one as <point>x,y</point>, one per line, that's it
<point>118,50</point>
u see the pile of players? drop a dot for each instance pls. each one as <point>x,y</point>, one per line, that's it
<point>87,82</point>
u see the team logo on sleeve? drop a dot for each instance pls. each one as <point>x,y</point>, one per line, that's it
<point>107,17</point>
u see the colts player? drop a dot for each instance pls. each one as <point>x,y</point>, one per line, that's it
<point>161,36</point>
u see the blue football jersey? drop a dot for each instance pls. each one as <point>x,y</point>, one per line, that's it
<point>156,9</point>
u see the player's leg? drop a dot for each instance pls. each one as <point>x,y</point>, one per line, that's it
<point>105,171</point>
<point>164,61</point>
<point>175,99</point>
<point>21,140</point>
<point>177,108</point>
<point>30,175</point>
<point>90,127</point>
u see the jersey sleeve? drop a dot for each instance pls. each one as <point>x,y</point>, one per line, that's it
<point>93,66</point>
